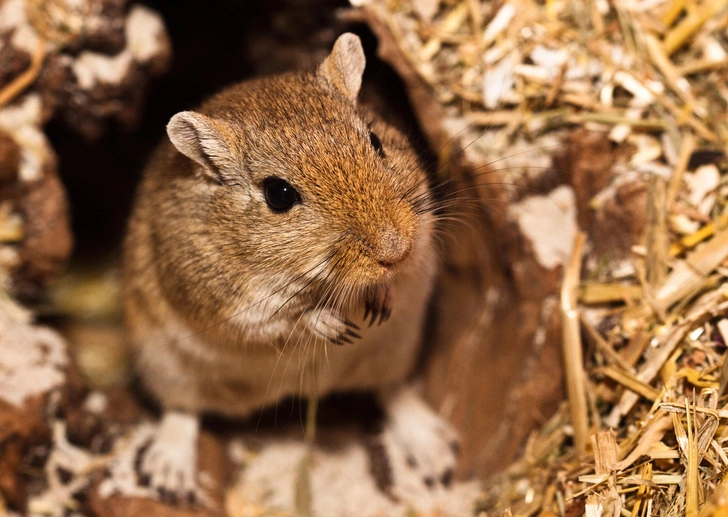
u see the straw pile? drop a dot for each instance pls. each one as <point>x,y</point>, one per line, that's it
<point>647,71</point>
<point>645,430</point>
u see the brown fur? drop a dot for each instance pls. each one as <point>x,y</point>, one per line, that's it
<point>231,306</point>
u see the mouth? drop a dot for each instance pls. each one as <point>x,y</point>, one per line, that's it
<point>378,304</point>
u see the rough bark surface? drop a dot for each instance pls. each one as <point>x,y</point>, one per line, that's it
<point>87,63</point>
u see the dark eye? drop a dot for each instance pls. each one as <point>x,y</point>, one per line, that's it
<point>376,143</point>
<point>279,194</point>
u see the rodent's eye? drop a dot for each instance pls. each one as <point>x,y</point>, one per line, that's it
<point>376,143</point>
<point>279,194</point>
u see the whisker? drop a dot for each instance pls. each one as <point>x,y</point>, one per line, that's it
<point>301,336</point>
<point>281,353</point>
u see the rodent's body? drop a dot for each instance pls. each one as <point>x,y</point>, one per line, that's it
<point>224,364</point>
<point>213,304</point>
<point>281,220</point>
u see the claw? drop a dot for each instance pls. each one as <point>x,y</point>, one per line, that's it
<point>144,479</point>
<point>375,314</point>
<point>377,308</point>
<point>340,340</point>
<point>455,447</point>
<point>351,333</point>
<point>372,311</point>
<point>384,315</point>
<point>446,478</point>
<point>167,496</point>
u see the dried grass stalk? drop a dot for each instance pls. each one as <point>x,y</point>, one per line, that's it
<point>573,356</point>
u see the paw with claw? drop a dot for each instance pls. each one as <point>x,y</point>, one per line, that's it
<point>378,306</point>
<point>333,327</point>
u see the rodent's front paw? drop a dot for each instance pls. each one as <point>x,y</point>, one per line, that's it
<point>333,327</point>
<point>378,306</point>
<point>169,464</point>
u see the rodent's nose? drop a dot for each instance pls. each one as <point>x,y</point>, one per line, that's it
<point>392,247</point>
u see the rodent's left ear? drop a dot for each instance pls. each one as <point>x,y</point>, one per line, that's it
<point>344,67</point>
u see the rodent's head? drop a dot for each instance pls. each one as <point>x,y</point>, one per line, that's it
<point>301,185</point>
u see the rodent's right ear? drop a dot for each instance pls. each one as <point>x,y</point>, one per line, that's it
<point>201,139</point>
<point>345,66</point>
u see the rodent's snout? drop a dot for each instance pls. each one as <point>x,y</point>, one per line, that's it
<point>391,247</point>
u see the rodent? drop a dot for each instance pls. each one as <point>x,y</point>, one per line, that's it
<point>280,219</point>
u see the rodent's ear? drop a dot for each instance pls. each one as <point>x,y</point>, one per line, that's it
<point>344,67</point>
<point>201,139</point>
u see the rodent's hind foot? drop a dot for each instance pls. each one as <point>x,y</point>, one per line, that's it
<point>332,327</point>
<point>169,463</point>
<point>418,441</point>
